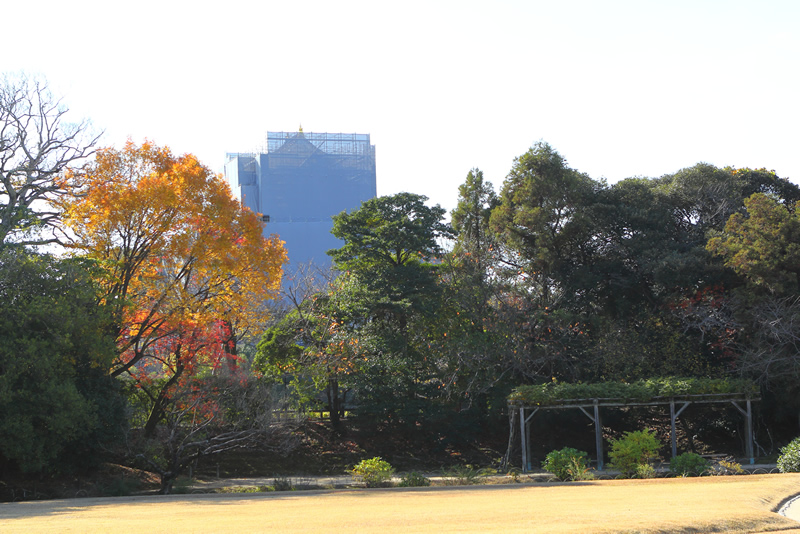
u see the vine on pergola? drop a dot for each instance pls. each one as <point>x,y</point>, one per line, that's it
<point>555,392</point>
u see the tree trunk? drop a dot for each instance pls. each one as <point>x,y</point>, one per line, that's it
<point>334,402</point>
<point>167,480</point>
<point>157,412</point>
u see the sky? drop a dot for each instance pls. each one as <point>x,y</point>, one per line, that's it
<point>619,88</point>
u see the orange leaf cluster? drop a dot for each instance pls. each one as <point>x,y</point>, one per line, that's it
<point>174,246</point>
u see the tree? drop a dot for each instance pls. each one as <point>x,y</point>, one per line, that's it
<point>311,347</point>
<point>704,196</point>
<point>654,284</point>
<point>543,218</point>
<point>53,337</point>
<point>474,353</point>
<point>37,146</point>
<point>763,245</point>
<point>471,217</point>
<point>389,290</point>
<point>210,416</point>
<point>186,269</point>
<point>391,240</point>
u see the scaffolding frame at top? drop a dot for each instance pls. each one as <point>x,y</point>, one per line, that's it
<point>337,144</point>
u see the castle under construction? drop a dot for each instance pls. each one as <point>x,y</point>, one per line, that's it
<point>299,182</point>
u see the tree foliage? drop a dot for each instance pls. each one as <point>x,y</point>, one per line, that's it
<point>389,289</point>
<point>185,268</point>
<point>389,243</point>
<point>313,347</point>
<point>470,218</point>
<point>52,396</point>
<point>176,248</point>
<point>544,217</point>
<point>763,245</point>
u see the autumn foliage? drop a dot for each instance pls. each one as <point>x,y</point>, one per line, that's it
<point>185,267</point>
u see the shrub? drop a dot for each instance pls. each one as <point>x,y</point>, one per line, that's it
<point>688,464</point>
<point>282,484</point>
<point>789,460</point>
<point>374,472</point>
<point>632,450</point>
<point>645,471</point>
<point>727,467</point>
<point>461,475</point>
<point>246,489</point>
<point>514,473</point>
<point>567,464</point>
<point>413,480</point>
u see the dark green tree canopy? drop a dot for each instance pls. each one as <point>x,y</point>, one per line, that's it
<point>398,230</point>
<point>389,245</point>
<point>53,357</point>
<point>470,218</point>
<point>545,215</point>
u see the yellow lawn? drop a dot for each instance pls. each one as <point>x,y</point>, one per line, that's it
<point>709,504</point>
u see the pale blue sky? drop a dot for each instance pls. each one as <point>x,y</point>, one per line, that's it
<point>620,88</point>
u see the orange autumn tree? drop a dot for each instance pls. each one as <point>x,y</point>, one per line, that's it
<point>178,253</point>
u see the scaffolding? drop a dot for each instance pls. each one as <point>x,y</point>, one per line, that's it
<point>297,149</point>
<point>301,145</point>
<point>300,180</point>
<point>339,144</point>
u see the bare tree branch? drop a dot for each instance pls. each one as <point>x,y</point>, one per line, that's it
<point>37,147</point>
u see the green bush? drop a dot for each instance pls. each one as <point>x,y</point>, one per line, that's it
<point>413,480</point>
<point>567,464</point>
<point>789,460</point>
<point>374,472</point>
<point>688,464</point>
<point>645,471</point>
<point>632,450</point>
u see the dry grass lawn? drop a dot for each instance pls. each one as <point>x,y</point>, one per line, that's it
<point>710,504</point>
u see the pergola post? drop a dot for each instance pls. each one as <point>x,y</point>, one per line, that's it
<point>672,430</point>
<point>512,420</point>
<point>598,431</point>
<point>523,440</point>
<point>598,436</point>
<point>748,429</point>
<point>525,437</point>
<point>672,437</point>
<point>748,425</point>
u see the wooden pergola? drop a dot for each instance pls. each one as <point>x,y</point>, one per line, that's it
<point>591,408</point>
